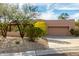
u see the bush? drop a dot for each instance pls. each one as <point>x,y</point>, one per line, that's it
<point>72,31</point>
<point>42,25</point>
<point>34,32</point>
<point>75,32</point>
<point>4,27</point>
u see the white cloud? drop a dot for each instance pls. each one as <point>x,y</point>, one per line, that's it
<point>65,6</point>
<point>48,16</point>
<point>75,16</point>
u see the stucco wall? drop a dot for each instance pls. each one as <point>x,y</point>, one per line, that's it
<point>60,27</point>
<point>68,23</point>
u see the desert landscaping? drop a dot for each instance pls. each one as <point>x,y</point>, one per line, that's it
<point>16,44</point>
<point>22,33</point>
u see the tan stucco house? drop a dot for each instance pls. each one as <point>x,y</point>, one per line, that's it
<point>59,27</point>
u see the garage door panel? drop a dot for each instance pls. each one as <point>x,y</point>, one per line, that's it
<point>58,31</point>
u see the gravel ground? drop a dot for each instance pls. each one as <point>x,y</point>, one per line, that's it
<point>16,44</point>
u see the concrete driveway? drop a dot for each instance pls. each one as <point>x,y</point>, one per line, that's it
<point>59,45</point>
<point>63,43</point>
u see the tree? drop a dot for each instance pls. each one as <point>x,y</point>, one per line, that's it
<point>24,18</point>
<point>64,16</point>
<point>30,11</point>
<point>7,12</point>
<point>2,9</point>
<point>25,22</point>
<point>12,10</point>
<point>3,23</point>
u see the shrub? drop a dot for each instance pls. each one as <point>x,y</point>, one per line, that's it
<point>42,25</point>
<point>72,31</point>
<point>75,32</point>
<point>4,27</point>
<point>34,32</point>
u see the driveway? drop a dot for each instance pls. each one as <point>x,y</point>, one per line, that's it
<point>63,43</point>
<point>59,45</point>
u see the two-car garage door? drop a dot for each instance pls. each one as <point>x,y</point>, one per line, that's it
<point>58,31</point>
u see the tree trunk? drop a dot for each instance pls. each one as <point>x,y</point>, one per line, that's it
<point>21,33</point>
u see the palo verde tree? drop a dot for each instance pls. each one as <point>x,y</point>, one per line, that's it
<point>4,22</point>
<point>24,18</point>
<point>30,11</point>
<point>18,18</point>
<point>7,13</point>
<point>12,9</point>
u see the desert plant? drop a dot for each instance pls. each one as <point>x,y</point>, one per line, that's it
<point>42,25</point>
<point>72,31</point>
<point>4,11</point>
<point>75,32</point>
<point>4,27</point>
<point>77,23</point>
<point>34,32</point>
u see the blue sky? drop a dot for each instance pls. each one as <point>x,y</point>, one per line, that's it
<point>53,10</point>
